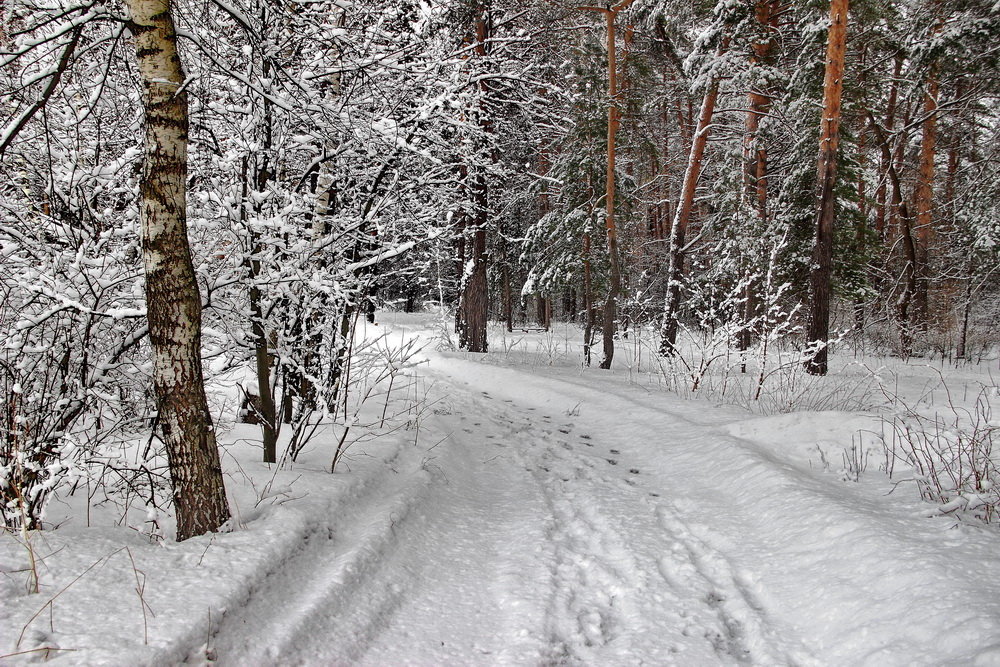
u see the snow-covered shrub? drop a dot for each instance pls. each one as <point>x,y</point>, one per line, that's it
<point>949,455</point>
<point>68,379</point>
<point>377,396</point>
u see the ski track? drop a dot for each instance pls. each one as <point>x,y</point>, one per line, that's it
<point>558,546</point>
<point>349,555</point>
<point>585,565</point>
<point>606,605</point>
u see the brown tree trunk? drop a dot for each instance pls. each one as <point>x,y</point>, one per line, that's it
<point>615,277</point>
<point>961,351</point>
<point>682,217</point>
<point>924,201</point>
<point>262,359</point>
<point>614,119</point>
<point>882,215</point>
<point>821,277</point>
<point>474,303</point>
<point>588,302</point>
<point>172,298</point>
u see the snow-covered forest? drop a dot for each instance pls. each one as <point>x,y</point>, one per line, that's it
<point>489,332</point>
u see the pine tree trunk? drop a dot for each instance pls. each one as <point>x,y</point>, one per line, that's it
<point>172,298</point>
<point>961,349</point>
<point>588,302</point>
<point>682,218</point>
<point>474,303</point>
<point>882,214</point>
<point>821,277</point>
<point>615,277</point>
<point>924,201</point>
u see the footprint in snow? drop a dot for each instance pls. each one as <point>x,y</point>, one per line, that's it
<point>634,471</point>
<point>564,430</point>
<point>613,462</point>
<point>615,451</point>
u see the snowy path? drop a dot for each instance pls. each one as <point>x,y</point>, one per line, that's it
<point>540,515</point>
<point>565,519</point>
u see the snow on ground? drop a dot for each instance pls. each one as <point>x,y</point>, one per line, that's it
<point>537,513</point>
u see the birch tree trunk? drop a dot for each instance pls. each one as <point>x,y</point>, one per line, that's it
<point>172,298</point>
<point>821,277</point>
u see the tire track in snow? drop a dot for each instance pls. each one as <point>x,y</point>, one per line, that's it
<point>482,599</point>
<point>593,576</point>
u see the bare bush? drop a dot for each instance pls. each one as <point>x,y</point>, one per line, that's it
<point>948,455</point>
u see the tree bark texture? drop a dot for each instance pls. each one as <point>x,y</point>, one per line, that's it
<point>173,301</point>
<point>883,216</point>
<point>821,276</point>
<point>262,358</point>
<point>588,302</point>
<point>475,304</point>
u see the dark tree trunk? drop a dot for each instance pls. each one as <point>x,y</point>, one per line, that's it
<point>908,279</point>
<point>614,119</point>
<point>474,303</point>
<point>755,153</point>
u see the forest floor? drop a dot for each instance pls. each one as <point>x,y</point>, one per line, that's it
<point>532,513</point>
